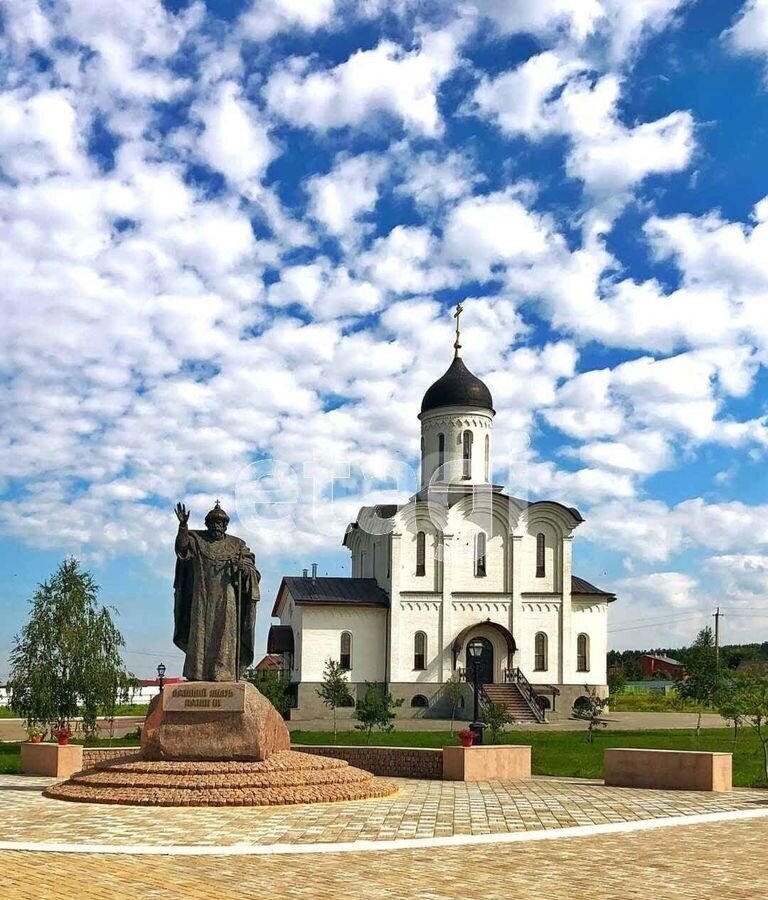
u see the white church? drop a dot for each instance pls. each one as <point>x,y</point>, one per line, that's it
<point>460,564</point>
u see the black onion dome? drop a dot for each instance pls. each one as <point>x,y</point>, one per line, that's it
<point>458,387</point>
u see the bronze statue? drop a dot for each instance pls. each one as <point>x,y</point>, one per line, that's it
<point>216,589</point>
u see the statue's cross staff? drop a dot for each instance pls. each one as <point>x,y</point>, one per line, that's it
<point>456,315</point>
<point>238,607</point>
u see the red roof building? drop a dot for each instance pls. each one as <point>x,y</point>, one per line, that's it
<point>653,665</point>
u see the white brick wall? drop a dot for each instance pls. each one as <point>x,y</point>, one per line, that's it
<point>321,633</point>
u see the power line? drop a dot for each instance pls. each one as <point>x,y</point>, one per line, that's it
<point>748,615</point>
<point>663,616</point>
<point>763,609</point>
<point>652,624</point>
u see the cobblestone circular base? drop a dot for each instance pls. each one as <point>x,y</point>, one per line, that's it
<point>285,778</point>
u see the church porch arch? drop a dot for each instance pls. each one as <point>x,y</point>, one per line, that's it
<point>499,636</point>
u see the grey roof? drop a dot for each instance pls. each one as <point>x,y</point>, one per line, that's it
<point>334,591</point>
<point>457,387</point>
<point>582,586</point>
<point>664,659</point>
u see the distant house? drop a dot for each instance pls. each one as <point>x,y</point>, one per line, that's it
<point>652,665</point>
<point>272,662</point>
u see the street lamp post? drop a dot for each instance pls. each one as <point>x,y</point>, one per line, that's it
<point>161,676</point>
<point>475,651</point>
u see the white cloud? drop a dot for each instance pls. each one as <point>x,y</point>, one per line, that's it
<point>329,292</point>
<point>265,18</point>
<point>26,25</point>
<point>549,94</point>
<point>585,408</point>
<point>495,229</point>
<point>622,157</point>
<point>643,453</point>
<point>386,79</point>
<point>544,481</point>
<point>40,135</point>
<point>520,101</point>
<point>743,577</point>
<point>235,139</point>
<point>130,44</point>
<point>346,193</point>
<point>619,25</point>
<point>431,180</point>
<point>629,24</point>
<point>749,33</point>
<point>660,589</point>
<point>404,262</point>
<point>652,530</point>
<point>577,18</point>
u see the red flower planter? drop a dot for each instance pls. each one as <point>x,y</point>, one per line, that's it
<point>466,737</point>
<point>63,735</point>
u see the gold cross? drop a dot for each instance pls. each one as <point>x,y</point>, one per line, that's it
<point>456,315</point>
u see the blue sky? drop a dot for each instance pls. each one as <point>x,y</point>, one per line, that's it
<point>232,235</point>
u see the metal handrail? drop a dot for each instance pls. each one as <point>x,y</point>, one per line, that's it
<point>529,695</point>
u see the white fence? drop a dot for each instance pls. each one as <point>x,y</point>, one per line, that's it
<point>142,695</point>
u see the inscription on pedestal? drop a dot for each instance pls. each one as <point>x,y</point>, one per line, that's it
<point>205,696</point>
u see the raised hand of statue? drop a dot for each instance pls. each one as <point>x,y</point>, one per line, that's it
<point>182,513</point>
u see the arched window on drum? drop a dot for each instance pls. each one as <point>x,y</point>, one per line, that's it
<point>466,453</point>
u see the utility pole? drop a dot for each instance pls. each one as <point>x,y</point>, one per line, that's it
<point>717,616</point>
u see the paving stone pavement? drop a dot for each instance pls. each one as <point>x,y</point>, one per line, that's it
<point>420,809</point>
<point>725,860</point>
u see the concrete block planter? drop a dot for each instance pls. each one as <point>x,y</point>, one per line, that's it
<point>487,763</point>
<point>683,770</point>
<point>51,760</point>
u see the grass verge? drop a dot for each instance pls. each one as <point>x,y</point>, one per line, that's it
<point>566,753</point>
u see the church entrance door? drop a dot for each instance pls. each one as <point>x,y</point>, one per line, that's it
<point>484,663</point>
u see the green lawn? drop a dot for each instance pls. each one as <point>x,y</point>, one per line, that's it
<point>10,762</point>
<point>567,753</point>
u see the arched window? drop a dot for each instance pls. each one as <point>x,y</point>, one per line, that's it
<point>440,452</point>
<point>540,548</point>
<point>582,653</point>
<point>419,701</point>
<point>487,457</point>
<point>480,553</point>
<point>466,442</point>
<point>540,652</point>
<point>420,651</point>
<point>345,654</point>
<point>421,552</point>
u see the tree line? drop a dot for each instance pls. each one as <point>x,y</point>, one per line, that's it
<point>731,656</point>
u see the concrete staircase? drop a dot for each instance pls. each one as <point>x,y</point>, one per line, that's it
<point>510,697</point>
